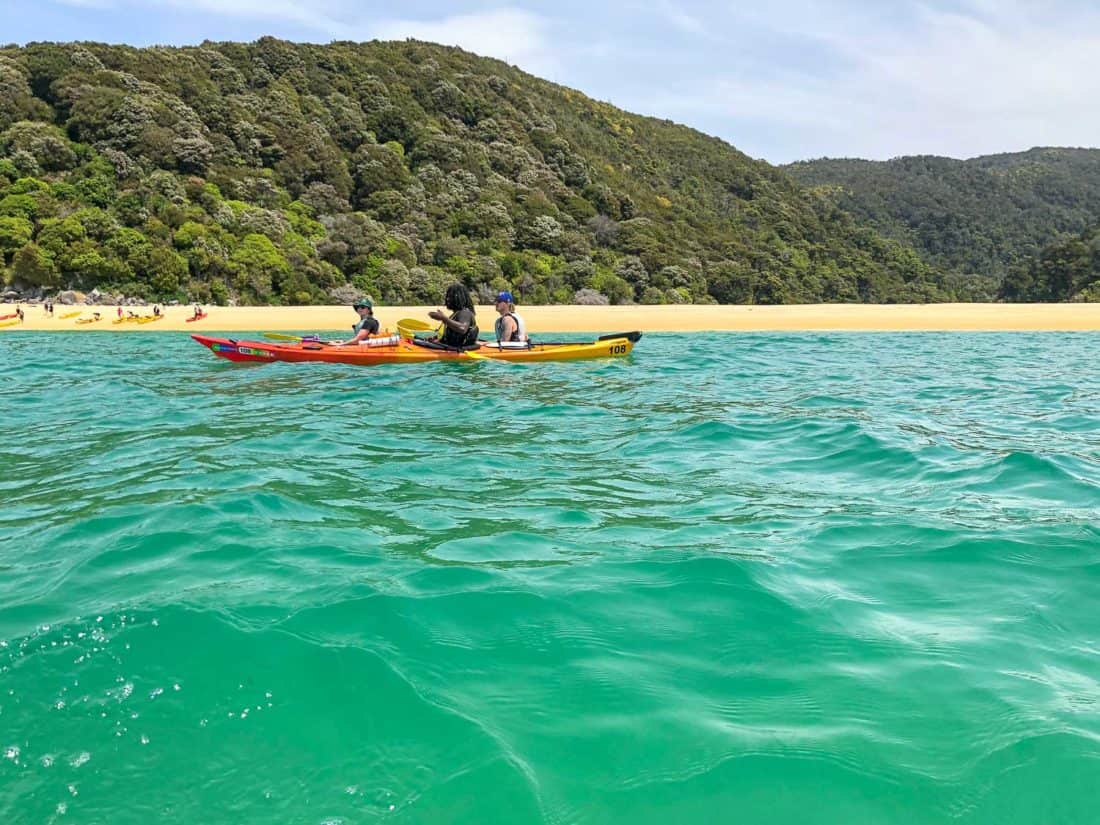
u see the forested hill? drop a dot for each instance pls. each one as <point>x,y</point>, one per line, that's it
<point>992,215</point>
<point>284,173</point>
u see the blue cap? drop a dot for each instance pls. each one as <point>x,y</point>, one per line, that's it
<point>505,296</point>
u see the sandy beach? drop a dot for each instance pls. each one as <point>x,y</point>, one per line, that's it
<point>667,318</point>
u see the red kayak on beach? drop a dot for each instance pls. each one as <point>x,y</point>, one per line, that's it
<point>408,351</point>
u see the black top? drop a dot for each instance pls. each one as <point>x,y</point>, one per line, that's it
<point>370,324</point>
<point>453,338</point>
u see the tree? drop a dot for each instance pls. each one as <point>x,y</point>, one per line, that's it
<point>257,264</point>
<point>34,266</point>
<point>42,141</point>
<point>376,168</point>
<point>166,271</point>
<point>15,233</point>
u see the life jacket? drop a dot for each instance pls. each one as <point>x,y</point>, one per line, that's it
<point>453,339</point>
<point>370,324</point>
<point>520,333</point>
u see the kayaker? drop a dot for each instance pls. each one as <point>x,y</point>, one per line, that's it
<point>460,327</point>
<point>509,326</point>
<point>19,312</point>
<point>368,324</point>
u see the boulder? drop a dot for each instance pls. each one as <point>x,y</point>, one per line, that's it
<point>345,294</point>
<point>70,297</point>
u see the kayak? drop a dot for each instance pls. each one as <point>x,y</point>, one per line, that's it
<point>9,315</point>
<point>148,319</point>
<point>10,323</point>
<point>69,315</point>
<point>88,320</point>
<point>406,351</point>
<point>197,317</point>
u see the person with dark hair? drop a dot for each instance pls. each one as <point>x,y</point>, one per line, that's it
<point>460,327</point>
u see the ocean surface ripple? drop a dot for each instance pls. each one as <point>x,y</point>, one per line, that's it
<point>826,578</point>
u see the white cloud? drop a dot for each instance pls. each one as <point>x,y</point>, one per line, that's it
<point>323,16</point>
<point>513,35</point>
<point>679,18</point>
<point>89,4</point>
<point>971,80</point>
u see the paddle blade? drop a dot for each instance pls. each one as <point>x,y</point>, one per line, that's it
<point>415,324</point>
<point>278,336</point>
<point>632,337</point>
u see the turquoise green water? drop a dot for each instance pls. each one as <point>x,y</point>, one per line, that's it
<point>746,578</point>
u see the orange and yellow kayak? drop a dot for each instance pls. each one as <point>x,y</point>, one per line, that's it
<point>407,351</point>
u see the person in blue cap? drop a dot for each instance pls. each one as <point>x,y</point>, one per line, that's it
<point>368,324</point>
<point>509,327</point>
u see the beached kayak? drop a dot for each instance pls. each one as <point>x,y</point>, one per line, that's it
<point>10,323</point>
<point>406,351</point>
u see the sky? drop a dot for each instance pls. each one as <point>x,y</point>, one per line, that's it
<point>782,80</point>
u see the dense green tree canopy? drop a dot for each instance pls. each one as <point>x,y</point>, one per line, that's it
<point>989,217</point>
<point>276,172</point>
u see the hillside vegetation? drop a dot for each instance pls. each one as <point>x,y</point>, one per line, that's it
<point>990,216</point>
<point>273,172</point>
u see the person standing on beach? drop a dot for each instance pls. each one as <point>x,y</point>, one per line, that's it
<point>120,310</point>
<point>368,324</point>
<point>509,326</point>
<point>19,312</point>
<point>460,327</point>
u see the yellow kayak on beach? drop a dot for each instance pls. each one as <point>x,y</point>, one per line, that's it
<point>69,315</point>
<point>10,323</point>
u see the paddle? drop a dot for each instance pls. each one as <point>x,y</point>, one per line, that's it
<point>408,327</point>
<point>415,324</point>
<point>297,339</point>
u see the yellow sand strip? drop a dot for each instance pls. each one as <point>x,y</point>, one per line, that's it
<point>671,318</point>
